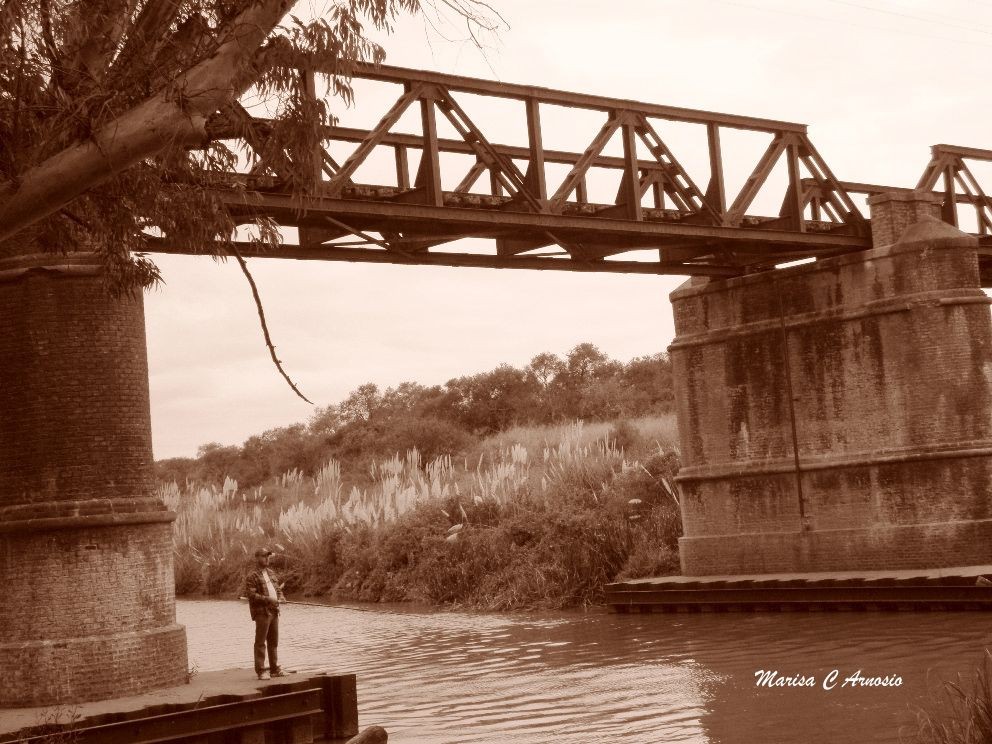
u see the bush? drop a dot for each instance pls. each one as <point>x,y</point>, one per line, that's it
<point>227,575</point>
<point>432,437</point>
<point>625,436</point>
<point>189,575</point>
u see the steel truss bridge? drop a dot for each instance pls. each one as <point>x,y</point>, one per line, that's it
<point>506,193</point>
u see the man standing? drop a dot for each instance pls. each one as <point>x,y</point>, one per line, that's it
<point>264,595</point>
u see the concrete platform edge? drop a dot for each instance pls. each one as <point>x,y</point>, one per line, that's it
<point>203,689</point>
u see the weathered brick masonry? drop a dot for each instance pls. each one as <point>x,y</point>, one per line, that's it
<point>883,360</point>
<point>88,609</point>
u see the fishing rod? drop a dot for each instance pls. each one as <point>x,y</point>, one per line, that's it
<point>318,604</point>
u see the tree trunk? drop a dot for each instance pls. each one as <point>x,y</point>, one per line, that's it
<point>174,117</point>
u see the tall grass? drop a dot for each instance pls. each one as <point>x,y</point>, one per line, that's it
<point>212,534</point>
<point>961,711</point>
<point>539,516</point>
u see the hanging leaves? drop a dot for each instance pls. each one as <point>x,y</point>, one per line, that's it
<point>109,111</point>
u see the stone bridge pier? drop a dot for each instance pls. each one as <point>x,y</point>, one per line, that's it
<point>837,415</point>
<point>87,603</point>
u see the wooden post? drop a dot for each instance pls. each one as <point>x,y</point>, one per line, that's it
<point>253,735</point>
<point>297,731</point>
<point>340,704</point>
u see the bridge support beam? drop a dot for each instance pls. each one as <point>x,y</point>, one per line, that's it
<point>838,415</point>
<point>87,604</point>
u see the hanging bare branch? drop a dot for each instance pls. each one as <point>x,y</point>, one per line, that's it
<point>265,328</point>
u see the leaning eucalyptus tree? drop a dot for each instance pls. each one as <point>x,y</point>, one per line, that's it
<point>106,110</point>
<point>110,111</point>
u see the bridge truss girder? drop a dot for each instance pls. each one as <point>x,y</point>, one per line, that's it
<point>676,225</point>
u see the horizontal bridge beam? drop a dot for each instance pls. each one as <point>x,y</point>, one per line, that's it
<point>291,210</point>
<point>389,74</point>
<point>972,153</point>
<point>871,189</point>
<point>399,139</point>
<point>471,260</point>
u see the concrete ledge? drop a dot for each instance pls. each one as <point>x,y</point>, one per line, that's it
<point>52,507</point>
<point>933,574</point>
<point>337,720</point>
<point>86,521</point>
<point>939,299</point>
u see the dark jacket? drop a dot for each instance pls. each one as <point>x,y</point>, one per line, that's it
<point>258,602</point>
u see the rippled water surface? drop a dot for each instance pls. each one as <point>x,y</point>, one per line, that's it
<point>454,677</point>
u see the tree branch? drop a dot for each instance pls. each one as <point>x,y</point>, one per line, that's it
<point>265,328</point>
<point>46,31</point>
<point>175,116</point>
<point>96,29</point>
<point>147,34</point>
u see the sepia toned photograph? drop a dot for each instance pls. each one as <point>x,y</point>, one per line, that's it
<point>472,371</point>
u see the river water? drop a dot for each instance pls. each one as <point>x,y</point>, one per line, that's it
<point>436,677</point>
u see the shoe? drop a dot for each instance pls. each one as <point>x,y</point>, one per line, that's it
<point>264,675</point>
<point>279,672</point>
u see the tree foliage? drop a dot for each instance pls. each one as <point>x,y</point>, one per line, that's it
<point>111,114</point>
<point>371,424</point>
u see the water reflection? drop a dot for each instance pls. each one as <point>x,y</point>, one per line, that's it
<point>442,678</point>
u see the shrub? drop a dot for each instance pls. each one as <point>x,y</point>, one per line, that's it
<point>432,437</point>
<point>189,576</point>
<point>624,436</point>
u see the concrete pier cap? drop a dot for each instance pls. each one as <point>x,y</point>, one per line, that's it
<point>838,415</point>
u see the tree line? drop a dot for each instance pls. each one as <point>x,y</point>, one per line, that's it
<point>442,419</point>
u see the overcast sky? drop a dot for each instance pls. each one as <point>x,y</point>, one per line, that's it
<point>878,81</point>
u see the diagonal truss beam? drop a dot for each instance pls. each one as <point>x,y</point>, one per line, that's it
<point>948,164</point>
<point>506,173</point>
<point>374,137</point>
<point>676,182</point>
<point>581,167</point>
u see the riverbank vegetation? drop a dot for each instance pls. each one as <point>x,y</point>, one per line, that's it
<point>505,489</point>
<point>539,516</point>
<point>960,712</point>
<point>372,425</point>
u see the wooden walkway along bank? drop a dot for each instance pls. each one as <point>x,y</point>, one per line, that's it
<point>229,707</point>
<point>921,589</point>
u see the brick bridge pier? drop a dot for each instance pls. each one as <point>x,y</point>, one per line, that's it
<point>88,600</point>
<point>838,415</point>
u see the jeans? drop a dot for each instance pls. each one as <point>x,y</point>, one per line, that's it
<point>266,636</point>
